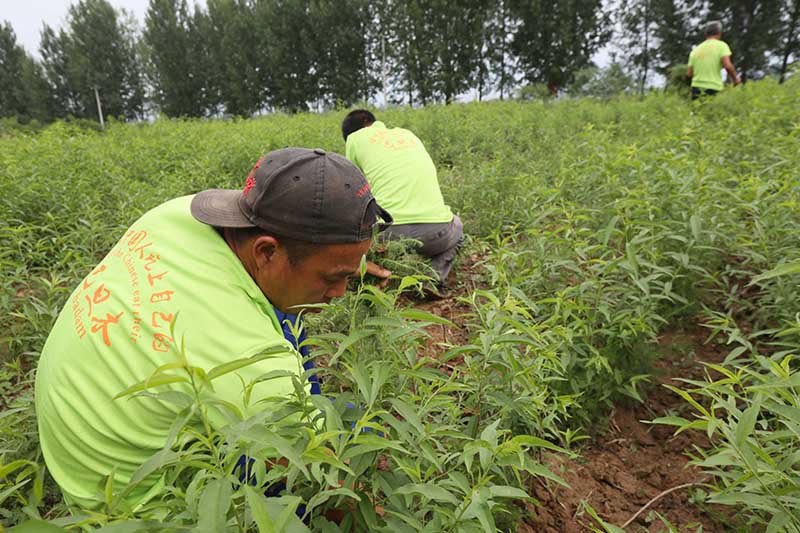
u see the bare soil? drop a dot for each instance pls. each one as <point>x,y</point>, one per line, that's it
<point>620,471</point>
<point>632,462</point>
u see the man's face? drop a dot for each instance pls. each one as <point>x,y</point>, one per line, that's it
<point>318,278</point>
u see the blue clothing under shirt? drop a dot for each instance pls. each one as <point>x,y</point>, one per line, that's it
<point>245,464</point>
<point>287,322</point>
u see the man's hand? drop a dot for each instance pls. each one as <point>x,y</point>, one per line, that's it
<point>379,272</point>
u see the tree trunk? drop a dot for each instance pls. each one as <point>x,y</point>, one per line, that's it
<point>646,62</point>
<point>790,40</point>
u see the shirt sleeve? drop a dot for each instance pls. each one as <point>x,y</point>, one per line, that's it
<point>691,58</point>
<point>725,50</point>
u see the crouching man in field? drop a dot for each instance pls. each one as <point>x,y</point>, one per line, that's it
<point>403,179</point>
<point>229,265</point>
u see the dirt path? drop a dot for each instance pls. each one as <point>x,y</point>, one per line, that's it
<point>622,470</point>
<point>633,462</point>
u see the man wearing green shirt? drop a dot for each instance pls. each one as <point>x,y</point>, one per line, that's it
<point>707,60</point>
<point>221,270</point>
<point>403,179</point>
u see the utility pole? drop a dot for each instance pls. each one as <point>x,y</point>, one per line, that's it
<point>99,108</point>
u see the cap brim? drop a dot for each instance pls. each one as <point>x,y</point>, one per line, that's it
<point>219,207</point>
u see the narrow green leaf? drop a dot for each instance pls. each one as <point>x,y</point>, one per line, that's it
<point>155,381</point>
<point>507,491</point>
<point>36,526</point>
<point>694,222</point>
<point>746,423</point>
<point>429,490</point>
<point>231,366</point>
<point>782,270</point>
<point>214,505</point>
<point>424,316</point>
<point>259,511</point>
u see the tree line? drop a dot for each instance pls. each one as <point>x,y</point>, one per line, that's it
<point>242,57</point>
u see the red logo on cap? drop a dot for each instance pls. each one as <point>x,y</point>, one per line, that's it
<point>251,179</point>
<point>363,190</point>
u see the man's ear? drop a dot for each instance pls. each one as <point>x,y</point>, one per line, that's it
<point>264,249</point>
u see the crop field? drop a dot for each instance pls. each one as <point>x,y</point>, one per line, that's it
<point>627,259</point>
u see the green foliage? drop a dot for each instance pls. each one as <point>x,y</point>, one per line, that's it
<point>23,90</point>
<point>534,91</point>
<point>237,72</point>
<point>556,39</point>
<point>749,408</point>
<point>98,52</point>
<point>678,80</point>
<point>750,414</point>
<point>602,82</point>
<point>593,226</point>
<point>346,72</point>
<point>638,24</point>
<point>177,58</point>
<point>247,57</point>
<point>678,30</point>
<point>789,36</point>
<point>436,46</point>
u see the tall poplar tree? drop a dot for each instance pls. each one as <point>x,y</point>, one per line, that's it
<point>436,46</point>
<point>413,59</point>
<point>235,40</point>
<point>342,59</point>
<point>19,94</point>
<point>101,54</point>
<point>293,77</point>
<point>497,69</point>
<point>53,49</point>
<point>458,44</point>
<point>638,25</point>
<point>177,55</point>
<point>789,47</point>
<point>678,29</point>
<point>555,38</point>
<point>97,51</point>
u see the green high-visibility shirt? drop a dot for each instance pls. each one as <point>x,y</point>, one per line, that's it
<point>706,62</point>
<point>114,331</point>
<point>400,173</point>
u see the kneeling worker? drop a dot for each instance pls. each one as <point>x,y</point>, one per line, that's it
<point>224,265</point>
<point>403,179</point>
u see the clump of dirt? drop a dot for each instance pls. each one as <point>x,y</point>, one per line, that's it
<point>620,471</point>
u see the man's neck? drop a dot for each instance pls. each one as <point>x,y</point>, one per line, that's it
<point>246,261</point>
<point>715,37</point>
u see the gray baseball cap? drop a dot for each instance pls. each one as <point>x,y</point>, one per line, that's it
<point>299,193</point>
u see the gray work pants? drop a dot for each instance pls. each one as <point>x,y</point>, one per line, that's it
<point>440,242</point>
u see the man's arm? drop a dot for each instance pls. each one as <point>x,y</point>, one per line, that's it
<point>690,71</point>
<point>729,68</point>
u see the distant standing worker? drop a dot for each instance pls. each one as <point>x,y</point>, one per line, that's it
<point>707,60</point>
<point>403,179</point>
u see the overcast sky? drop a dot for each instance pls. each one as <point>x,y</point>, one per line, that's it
<point>27,16</point>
